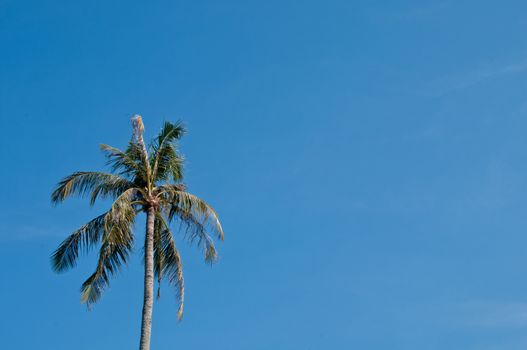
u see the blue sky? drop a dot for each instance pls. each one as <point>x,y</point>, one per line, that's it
<point>367,159</point>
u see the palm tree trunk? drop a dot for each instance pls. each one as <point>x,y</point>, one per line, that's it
<point>146,324</point>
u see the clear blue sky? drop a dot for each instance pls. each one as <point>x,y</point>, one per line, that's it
<point>368,159</point>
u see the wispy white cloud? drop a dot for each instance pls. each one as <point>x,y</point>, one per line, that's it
<point>455,82</point>
<point>483,315</point>
<point>422,11</point>
<point>491,314</point>
<point>27,232</point>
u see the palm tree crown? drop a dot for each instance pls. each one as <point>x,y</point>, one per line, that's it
<point>142,179</point>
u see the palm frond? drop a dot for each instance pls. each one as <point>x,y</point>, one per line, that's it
<point>167,260</point>
<point>166,162</point>
<point>128,163</point>
<point>111,188</point>
<point>181,202</point>
<point>196,232</point>
<point>170,132</point>
<point>117,243</point>
<point>111,258</point>
<point>65,257</point>
<point>169,165</point>
<point>195,216</point>
<point>82,182</point>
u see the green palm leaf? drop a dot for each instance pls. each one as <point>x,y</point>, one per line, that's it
<point>83,182</point>
<point>117,243</point>
<point>65,257</point>
<point>166,162</point>
<point>167,260</point>
<point>195,215</point>
<point>127,163</point>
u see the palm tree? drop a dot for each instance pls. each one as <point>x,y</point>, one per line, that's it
<point>145,180</point>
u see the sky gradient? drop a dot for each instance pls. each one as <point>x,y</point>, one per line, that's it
<point>367,159</point>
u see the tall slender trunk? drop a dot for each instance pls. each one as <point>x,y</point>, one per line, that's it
<point>146,324</point>
<point>148,301</point>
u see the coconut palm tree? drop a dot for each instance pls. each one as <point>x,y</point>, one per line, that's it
<point>143,179</point>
